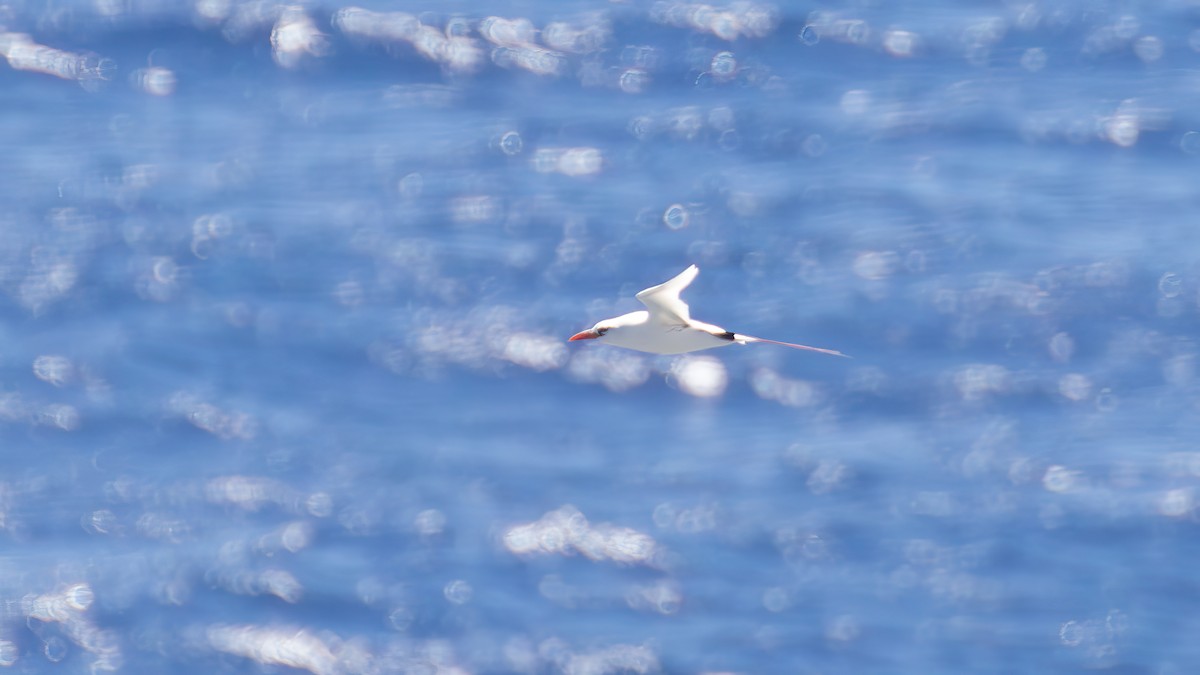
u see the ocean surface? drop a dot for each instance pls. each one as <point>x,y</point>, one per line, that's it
<point>285,293</point>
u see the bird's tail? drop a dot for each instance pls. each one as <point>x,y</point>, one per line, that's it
<point>746,339</point>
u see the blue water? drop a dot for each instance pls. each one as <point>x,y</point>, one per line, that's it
<point>284,380</point>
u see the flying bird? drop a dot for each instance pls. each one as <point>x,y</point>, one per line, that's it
<point>666,325</point>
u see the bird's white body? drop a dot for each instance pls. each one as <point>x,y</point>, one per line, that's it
<point>640,331</point>
<point>666,325</point>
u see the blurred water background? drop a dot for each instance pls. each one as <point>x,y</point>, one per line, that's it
<point>284,384</point>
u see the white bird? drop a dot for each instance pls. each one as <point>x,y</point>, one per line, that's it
<point>666,326</point>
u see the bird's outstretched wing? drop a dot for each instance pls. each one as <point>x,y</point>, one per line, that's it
<point>663,300</point>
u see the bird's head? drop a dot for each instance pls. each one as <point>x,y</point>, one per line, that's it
<point>617,329</point>
<point>594,332</point>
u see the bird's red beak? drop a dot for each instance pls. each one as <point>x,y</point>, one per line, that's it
<point>588,334</point>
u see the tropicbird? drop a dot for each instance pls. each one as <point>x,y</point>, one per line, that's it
<point>666,325</point>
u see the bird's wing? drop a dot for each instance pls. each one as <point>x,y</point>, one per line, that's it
<point>663,300</point>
